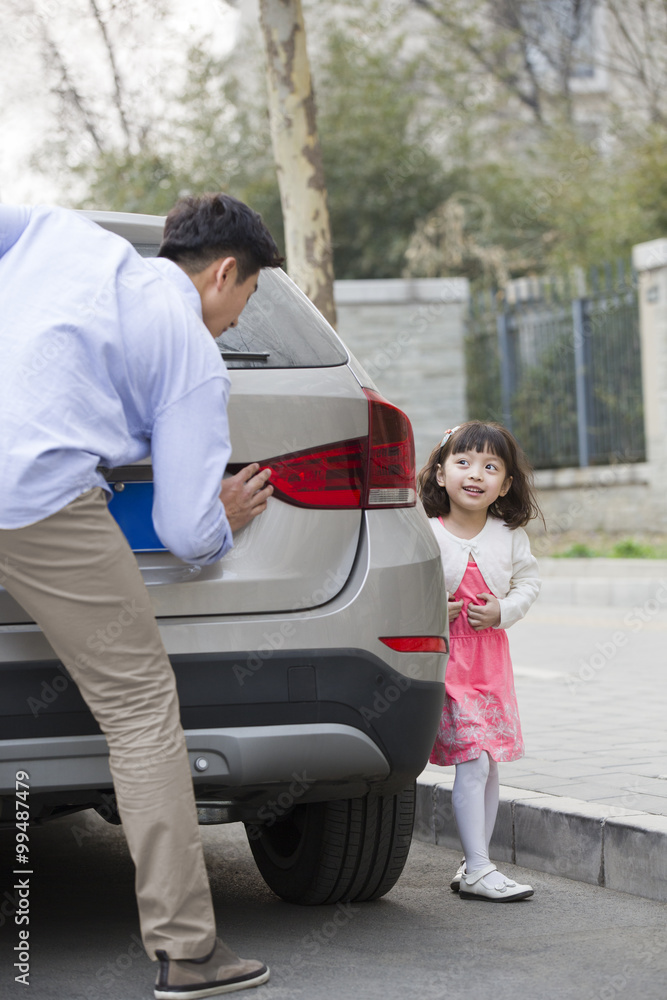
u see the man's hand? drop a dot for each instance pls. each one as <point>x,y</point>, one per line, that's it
<point>484,615</point>
<point>245,495</point>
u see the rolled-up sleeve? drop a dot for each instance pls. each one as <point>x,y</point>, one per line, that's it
<point>13,221</point>
<point>190,448</point>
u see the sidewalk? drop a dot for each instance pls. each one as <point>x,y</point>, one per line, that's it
<point>589,799</point>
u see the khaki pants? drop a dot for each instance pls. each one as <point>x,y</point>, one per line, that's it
<point>76,575</point>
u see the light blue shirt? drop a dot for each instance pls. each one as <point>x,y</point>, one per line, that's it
<point>104,359</point>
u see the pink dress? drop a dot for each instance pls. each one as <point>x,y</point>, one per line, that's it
<point>480,711</point>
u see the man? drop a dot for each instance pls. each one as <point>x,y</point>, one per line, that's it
<point>106,357</point>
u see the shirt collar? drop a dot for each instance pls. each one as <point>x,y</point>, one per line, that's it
<point>177,276</point>
<point>469,544</point>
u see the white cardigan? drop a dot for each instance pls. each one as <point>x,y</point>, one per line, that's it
<point>504,559</point>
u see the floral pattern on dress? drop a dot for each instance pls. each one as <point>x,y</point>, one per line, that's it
<point>479,723</point>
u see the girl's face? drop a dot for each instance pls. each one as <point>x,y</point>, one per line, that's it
<point>473,479</point>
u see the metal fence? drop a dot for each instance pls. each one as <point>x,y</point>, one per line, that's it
<point>561,370</point>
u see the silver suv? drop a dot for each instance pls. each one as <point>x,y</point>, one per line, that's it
<point>310,660</point>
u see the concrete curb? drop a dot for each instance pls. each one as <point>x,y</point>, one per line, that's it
<point>604,582</point>
<point>586,841</point>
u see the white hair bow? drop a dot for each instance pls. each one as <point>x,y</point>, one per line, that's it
<point>448,434</point>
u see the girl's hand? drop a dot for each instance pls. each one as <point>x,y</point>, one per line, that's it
<point>454,608</point>
<point>484,615</point>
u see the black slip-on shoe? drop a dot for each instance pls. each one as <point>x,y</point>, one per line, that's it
<point>222,971</point>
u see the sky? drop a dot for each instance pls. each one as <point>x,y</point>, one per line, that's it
<point>26,112</point>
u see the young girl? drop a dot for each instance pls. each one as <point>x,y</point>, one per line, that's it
<point>477,490</point>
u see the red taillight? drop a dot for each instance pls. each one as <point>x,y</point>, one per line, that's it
<point>415,643</point>
<point>377,471</point>
<point>391,455</point>
<point>327,477</point>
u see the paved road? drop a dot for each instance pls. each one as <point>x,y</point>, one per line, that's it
<point>571,941</point>
<point>591,688</point>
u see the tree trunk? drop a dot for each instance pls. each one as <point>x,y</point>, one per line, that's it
<point>297,153</point>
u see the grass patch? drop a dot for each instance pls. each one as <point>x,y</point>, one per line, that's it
<point>628,548</point>
<point>577,551</point>
<point>598,544</point>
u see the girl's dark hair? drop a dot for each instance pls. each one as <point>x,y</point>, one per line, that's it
<point>200,230</point>
<point>518,505</point>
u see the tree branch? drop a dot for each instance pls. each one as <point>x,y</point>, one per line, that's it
<point>114,69</point>
<point>67,90</point>
<point>518,28</point>
<point>638,58</point>
<point>506,77</point>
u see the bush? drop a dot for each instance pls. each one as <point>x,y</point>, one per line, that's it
<point>628,548</point>
<point>577,551</point>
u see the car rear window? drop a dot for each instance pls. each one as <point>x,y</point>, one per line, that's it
<point>146,249</point>
<point>279,328</point>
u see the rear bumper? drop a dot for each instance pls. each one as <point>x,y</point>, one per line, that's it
<point>340,722</point>
<point>229,760</point>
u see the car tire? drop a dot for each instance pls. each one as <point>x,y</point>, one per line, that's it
<point>339,851</point>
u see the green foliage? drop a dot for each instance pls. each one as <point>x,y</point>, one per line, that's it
<point>544,413</point>
<point>645,181</point>
<point>225,125</point>
<point>381,176</point>
<point>581,195</point>
<point>219,141</point>
<point>579,550</point>
<point>144,182</point>
<point>628,548</point>
<point>419,104</point>
<point>482,362</point>
<point>624,548</point>
<point>381,173</point>
<point>477,232</point>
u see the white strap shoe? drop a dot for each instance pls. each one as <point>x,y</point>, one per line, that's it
<point>473,886</point>
<point>455,884</point>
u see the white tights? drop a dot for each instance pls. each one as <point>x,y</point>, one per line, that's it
<point>475,800</point>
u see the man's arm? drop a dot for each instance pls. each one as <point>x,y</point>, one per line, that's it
<point>13,221</point>
<point>190,448</point>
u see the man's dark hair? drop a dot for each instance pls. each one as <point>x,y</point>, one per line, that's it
<point>200,230</point>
